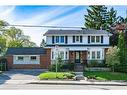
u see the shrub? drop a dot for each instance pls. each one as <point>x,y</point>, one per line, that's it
<point>95,63</point>
<point>62,67</point>
<point>112,57</point>
<point>121,68</point>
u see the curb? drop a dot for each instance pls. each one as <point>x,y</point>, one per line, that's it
<point>79,83</point>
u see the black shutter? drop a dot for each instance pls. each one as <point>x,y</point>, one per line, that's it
<point>73,39</point>
<point>66,39</point>
<point>88,39</point>
<point>101,39</point>
<point>80,39</point>
<point>53,39</point>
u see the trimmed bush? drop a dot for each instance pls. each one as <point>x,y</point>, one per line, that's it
<point>53,75</point>
<point>95,63</point>
<point>62,67</point>
<point>121,68</point>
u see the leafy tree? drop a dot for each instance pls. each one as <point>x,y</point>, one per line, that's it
<point>2,45</point>
<point>43,43</point>
<point>96,17</point>
<point>112,57</point>
<point>122,48</point>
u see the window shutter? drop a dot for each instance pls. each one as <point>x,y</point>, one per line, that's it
<point>88,39</point>
<point>80,39</point>
<point>73,39</point>
<point>53,39</point>
<point>101,39</point>
<point>66,39</point>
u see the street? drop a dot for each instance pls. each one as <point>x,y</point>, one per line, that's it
<point>59,87</point>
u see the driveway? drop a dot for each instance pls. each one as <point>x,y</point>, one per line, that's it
<point>20,75</point>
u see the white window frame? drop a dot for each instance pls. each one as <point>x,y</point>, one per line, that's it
<point>101,55</point>
<point>95,41</point>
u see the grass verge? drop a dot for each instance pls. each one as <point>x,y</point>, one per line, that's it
<point>53,75</point>
<point>103,75</point>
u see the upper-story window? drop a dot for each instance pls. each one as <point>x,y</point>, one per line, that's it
<point>95,39</point>
<point>58,39</point>
<point>77,39</point>
<point>62,39</point>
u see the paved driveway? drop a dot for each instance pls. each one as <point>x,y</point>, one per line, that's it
<point>20,74</point>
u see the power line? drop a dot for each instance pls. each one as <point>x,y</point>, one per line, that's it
<point>46,26</point>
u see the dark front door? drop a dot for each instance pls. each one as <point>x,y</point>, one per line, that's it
<point>77,57</point>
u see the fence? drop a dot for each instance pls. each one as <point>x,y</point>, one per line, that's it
<point>3,64</point>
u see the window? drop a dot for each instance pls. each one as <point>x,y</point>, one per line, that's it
<point>57,39</point>
<point>98,54</point>
<point>62,39</point>
<point>20,58</point>
<point>97,39</point>
<point>62,54</point>
<point>77,38</point>
<point>93,54</point>
<point>33,57</point>
<point>93,39</point>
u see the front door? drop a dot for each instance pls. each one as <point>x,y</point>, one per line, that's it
<point>77,57</point>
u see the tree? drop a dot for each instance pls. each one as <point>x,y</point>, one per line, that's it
<point>112,57</point>
<point>43,43</point>
<point>96,17</point>
<point>112,19</point>
<point>16,38</point>
<point>122,48</point>
<point>2,45</point>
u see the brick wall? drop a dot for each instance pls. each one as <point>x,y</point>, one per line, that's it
<point>44,62</point>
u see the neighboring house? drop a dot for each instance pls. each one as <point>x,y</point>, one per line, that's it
<point>77,46</point>
<point>28,58</point>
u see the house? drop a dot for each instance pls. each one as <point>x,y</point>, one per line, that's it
<point>28,58</point>
<point>77,46</point>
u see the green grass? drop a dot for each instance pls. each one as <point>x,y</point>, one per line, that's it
<point>52,75</point>
<point>103,75</point>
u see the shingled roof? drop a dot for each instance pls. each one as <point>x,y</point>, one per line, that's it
<point>26,51</point>
<point>83,31</point>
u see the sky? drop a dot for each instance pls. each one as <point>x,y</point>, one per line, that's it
<point>47,15</point>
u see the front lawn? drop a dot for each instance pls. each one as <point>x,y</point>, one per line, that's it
<point>52,75</point>
<point>104,75</point>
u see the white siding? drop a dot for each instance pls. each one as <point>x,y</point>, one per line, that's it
<point>49,39</point>
<point>84,39</point>
<point>26,60</point>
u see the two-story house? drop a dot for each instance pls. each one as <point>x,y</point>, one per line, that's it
<point>77,46</point>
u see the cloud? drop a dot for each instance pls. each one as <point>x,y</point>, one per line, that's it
<point>6,13</point>
<point>60,15</point>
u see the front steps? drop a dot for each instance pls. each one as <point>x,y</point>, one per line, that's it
<point>78,68</point>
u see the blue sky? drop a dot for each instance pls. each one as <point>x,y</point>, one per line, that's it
<point>47,15</point>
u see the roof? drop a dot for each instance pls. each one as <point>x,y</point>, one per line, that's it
<point>83,31</point>
<point>26,51</point>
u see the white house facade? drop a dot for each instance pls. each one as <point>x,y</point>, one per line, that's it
<point>78,45</point>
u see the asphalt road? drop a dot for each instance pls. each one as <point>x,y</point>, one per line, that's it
<point>59,87</point>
